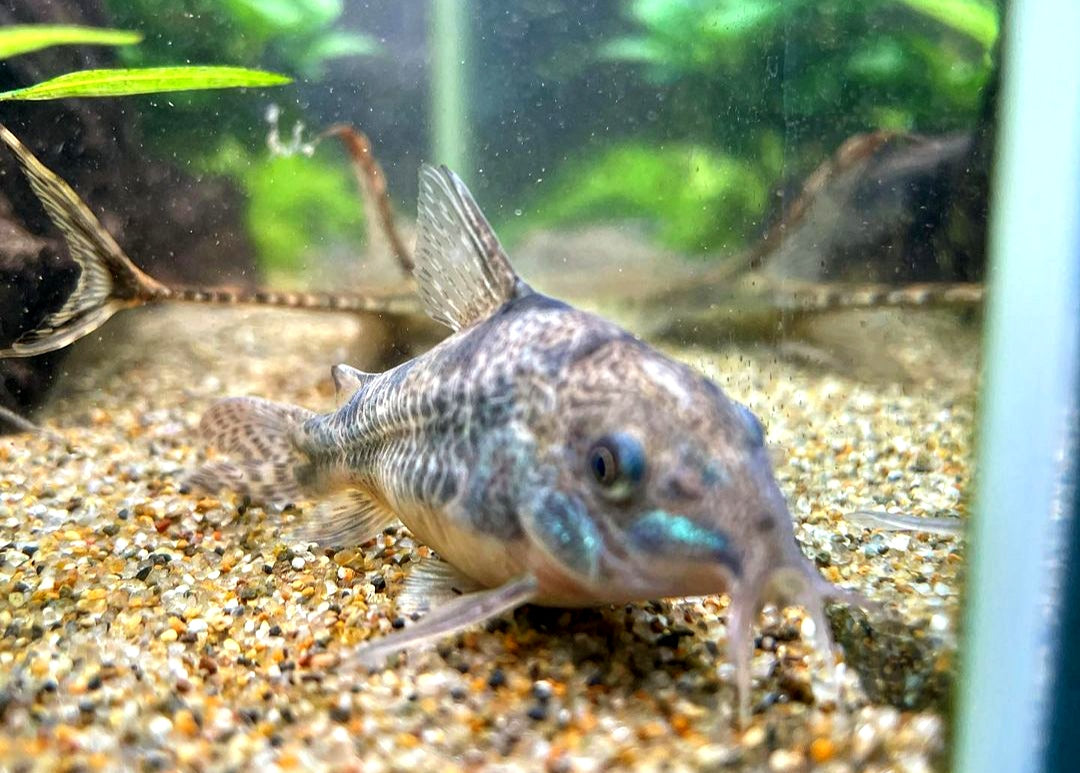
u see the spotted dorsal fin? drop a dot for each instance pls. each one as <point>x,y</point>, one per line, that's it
<point>348,380</point>
<point>463,272</point>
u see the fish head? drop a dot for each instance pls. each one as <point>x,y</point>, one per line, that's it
<point>660,485</point>
<point>665,489</point>
<point>669,479</point>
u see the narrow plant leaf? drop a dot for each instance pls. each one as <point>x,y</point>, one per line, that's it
<point>149,80</point>
<point>24,38</point>
<point>974,18</point>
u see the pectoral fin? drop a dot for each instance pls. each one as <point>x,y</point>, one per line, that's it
<point>431,584</point>
<point>453,616</point>
<point>347,518</point>
<point>879,519</point>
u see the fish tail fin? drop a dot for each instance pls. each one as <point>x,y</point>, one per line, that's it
<point>261,440</point>
<point>108,280</point>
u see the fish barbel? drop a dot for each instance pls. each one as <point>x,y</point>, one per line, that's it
<point>546,454</point>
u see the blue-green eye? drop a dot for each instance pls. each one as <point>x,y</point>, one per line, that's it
<point>617,464</point>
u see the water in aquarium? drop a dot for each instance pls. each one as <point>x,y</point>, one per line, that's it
<point>551,385</point>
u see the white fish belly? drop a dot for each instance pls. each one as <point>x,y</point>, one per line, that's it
<point>481,557</point>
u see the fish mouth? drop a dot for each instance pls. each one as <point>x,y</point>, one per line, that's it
<point>631,574</point>
<point>793,581</point>
<point>668,553</point>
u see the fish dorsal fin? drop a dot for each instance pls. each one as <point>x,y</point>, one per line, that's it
<point>463,272</point>
<point>348,380</point>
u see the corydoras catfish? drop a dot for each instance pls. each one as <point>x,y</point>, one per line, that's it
<point>546,454</point>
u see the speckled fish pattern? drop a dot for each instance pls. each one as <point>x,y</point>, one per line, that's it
<point>544,452</point>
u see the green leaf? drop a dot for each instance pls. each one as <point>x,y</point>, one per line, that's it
<point>881,60</point>
<point>310,59</point>
<point>743,18</point>
<point>24,38</point>
<point>323,12</point>
<point>976,19</point>
<point>291,16</point>
<point>337,44</point>
<point>149,80</point>
<point>271,14</point>
<point>637,49</point>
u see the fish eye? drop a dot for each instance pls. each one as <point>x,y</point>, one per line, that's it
<point>617,464</point>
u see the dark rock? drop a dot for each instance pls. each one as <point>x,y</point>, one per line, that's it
<point>879,213</point>
<point>898,663</point>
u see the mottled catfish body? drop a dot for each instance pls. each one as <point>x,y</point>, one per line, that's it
<point>547,455</point>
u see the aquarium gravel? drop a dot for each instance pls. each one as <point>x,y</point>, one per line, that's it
<point>146,627</point>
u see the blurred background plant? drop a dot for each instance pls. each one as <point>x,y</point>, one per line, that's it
<point>817,69</point>
<point>689,197</point>
<point>298,204</point>
<point>770,88</point>
<point>302,36</point>
<point>686,115</point>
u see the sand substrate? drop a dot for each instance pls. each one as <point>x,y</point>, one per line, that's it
<point>147,628</point>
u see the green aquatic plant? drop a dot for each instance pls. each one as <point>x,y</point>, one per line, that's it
<point>296,35</point>
<point>286,193</point>
<point>300,32</point>
<point>978,19</point>
<point>820,69</point>
<point>147,80</point>
<point>695,199</point>
<point>295,203</point>
<point>293,36</point>
<point>292,202</point>
<point>26,38</point>
<point>758,93</point>
<point>683,36</point>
